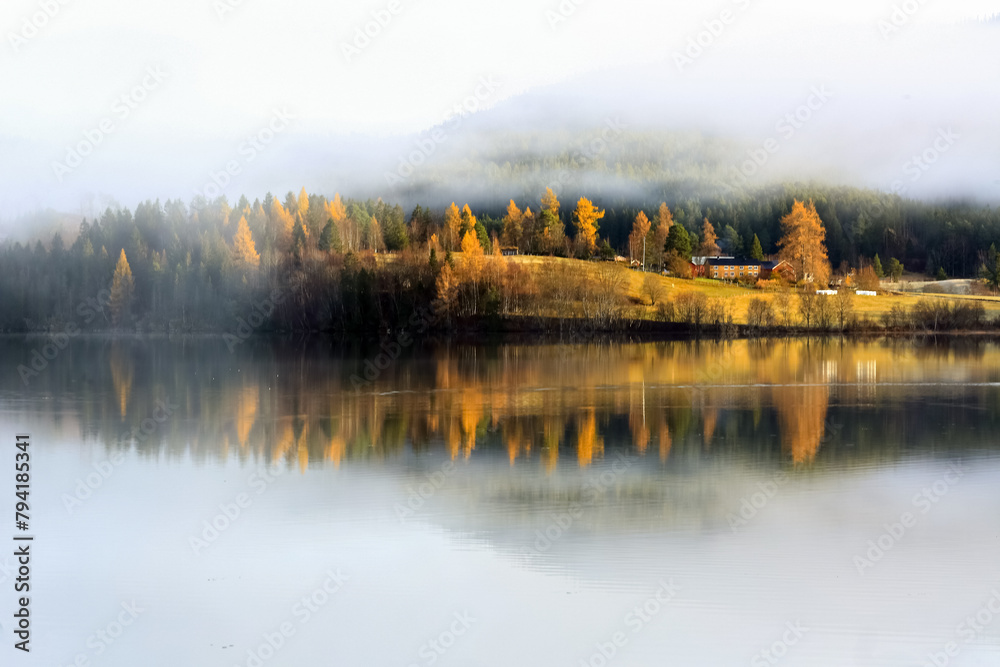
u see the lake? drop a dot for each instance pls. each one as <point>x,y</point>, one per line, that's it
<point>795,502</point>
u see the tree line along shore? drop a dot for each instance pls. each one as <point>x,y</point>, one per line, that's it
<point>351,266</point>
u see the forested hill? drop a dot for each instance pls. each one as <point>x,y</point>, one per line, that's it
<point>193,265</point>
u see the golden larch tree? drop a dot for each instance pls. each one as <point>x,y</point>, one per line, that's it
<point>336,209</point>
<point>283,221</point>
<point>664,221</point>
<point>802,244</point>
<point>472,256</point>
<point>122,290</point>
<point>550,202</point>
<point>512,229</point>
<point>640,228</point>
<point>303,203</point>
<point>468,220</point>
<point>244,249</point>
<point>446,287</point>
<point>709,241</point>
<point>586,216</point>
<point>452,226</point>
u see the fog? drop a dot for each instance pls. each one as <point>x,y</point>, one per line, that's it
<point>110,103</point>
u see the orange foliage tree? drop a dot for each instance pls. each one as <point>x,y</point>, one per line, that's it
<point>586,216</point>
<point>802,244</point>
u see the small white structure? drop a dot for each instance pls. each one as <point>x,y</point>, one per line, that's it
<point>866,292</point>
<point>827,292</point>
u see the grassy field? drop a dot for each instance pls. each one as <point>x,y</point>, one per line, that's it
<point>545,270</point>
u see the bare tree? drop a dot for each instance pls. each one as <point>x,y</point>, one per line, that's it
<point>652,288</point>
<point>844,306</point>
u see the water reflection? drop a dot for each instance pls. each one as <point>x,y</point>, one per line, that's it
<point>546,406</point>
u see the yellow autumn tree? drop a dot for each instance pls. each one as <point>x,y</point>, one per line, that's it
<point>802,244</point>
<point>303,203</point>
<point>586,216</point>
<point>512,229</point>
<point>244,249</point>
<point>283,221</point>
<point>122,290</point>
<point>452,226</point>
<point>664,221</point>
<point>468,220</point>
<point>472,256</point>
<point>550,202</point>
<point>640,228</point>
<point>336,209</point>
<point>446,287</point>
<point>709,241</point>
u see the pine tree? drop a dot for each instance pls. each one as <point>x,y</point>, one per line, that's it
<point>678,242</point>
<point>300,239</point>
<point>990,269</point>
<point>244,249</point>
<point>122,290</point>
<point>877,265</point>
<point>895,269</point>
<point>802,244</point>
<point>756,252</point>
<point>329,239</point>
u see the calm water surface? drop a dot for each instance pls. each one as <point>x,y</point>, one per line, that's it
<point>800,502</point>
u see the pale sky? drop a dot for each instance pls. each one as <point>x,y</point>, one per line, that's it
<point>228,65</point>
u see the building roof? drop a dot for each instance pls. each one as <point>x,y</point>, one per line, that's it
<point>733,261</point>
<point>772,265</point>
<point>699,261</point>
